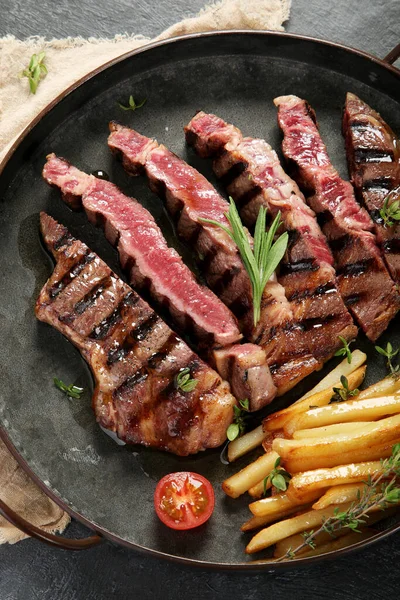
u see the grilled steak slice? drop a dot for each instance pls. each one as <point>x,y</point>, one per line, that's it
<point>134,356</point>
<point>152,264</point>
<point>254,177</point>
<point>364,281</point>
<point>373,153</point>
<point>189,198</point>
<point>144,253</point>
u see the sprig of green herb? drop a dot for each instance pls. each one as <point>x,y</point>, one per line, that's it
<point>70,390</point>
<point>345,350</point>
<point>279,478</point>
<point>184,382</point>
<point>390,212</point>
<point>260,261</point>
<point>35,71</point>
<point>344,393</point>
<point>380,491</point>
<point>238,427</point>
<point>132,104</point>
<point>389,354</point>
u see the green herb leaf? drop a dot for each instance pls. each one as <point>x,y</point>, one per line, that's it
<point>391,212</point>
<point>261,261</point>
<point>389,354</point>
<point>279,478</point>
<point>35,71</point>
<point>184,382</point>
<point>345,351</point>
<point>70,390</point>
<point>233,432</point>
<point>344,393</point>
<point>238,427</point>
<point>132,104</point>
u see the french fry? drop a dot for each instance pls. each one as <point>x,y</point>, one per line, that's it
<point>278,420</point>
<point>274,505</point>
<point>358,358</point>
<point>257,490</point>
<point>369,409</point>
<point>303,484</point>
<point>342,542</point>
<point>339,494</point>
<point>267,443</point>
<point>328,430</point>
<point>379,432</point>
<point>294,541</point>
<point>283,529</point>
<point>240,482</point>
<point>362,454</point>
<point>385,387</point>
<point>246,443</point>
<point>257,522</point>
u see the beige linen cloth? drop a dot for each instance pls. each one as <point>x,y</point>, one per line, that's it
<point>67,61</point>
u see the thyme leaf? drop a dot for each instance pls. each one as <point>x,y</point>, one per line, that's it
<point>184,382</point>
<point>69,390</point>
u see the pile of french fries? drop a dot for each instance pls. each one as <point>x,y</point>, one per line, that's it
<point>330,450</point>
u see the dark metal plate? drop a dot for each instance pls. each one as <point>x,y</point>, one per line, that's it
<point>235,75</point>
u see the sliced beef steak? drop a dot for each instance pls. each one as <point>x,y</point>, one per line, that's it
<point>134,356</point>
<point>373,153</point>
<point>364,281</point>
<point>153,265</point>
<point>189,198</point>
<point>251,170</point>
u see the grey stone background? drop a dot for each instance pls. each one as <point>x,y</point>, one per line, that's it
<point>31,571</point>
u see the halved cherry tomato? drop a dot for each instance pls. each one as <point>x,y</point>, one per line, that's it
<point>184,500</point>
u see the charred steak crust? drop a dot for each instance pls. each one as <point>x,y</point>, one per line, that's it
<point>189,197</point>
<point>373,154</point>
<point>364,281</point>
<point>251,170</point>
<point>134,356</point>
<point>153,265</point>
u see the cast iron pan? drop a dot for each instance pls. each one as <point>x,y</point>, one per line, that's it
<point>236,75</point>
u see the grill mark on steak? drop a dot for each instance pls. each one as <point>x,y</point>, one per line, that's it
<point>135,335</point>
<point>59,286</point>
<point>131,396</point>
<point>255,178</point>
<point>362,275</point>
<point>92,296</point>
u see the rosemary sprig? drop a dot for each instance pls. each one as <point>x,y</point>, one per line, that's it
<point>132,104</point>
<point>345,350</point>
<point>344,393</point>
<point>69,390</point>
<point>238,427</point>
<point>279,478</point>
<point>35,71</point>
<point>184,382</point>
<point>260,261</point>
<point>380,491</point>
<point>389,354</point>
<point>390,212</point>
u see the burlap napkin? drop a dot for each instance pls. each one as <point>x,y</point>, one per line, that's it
<point>67,61</point>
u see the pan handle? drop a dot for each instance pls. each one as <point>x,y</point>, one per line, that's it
<point>393,55</point>
<point>43,536</point>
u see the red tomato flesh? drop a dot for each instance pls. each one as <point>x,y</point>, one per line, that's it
<point>184,500</point>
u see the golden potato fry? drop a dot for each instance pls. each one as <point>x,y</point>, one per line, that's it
<point>246,443</point>
<point>303,484</point>
<point>386,387</point>
<point>279,503</point>
<point>342,542</point>
<point>374,433</point>
<point>240,482</point>
<point>362,454</point>
<point>369,409</point>
<point>257,490</point>
<point>328,430</point>
<point>257,522</point>
<point>339,494</point>
<point>278,420</point>
<point>267,443</point>
<point>283,529</point>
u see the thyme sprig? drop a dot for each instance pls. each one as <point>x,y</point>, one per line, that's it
<point>380,491</point>
<point>345,350</point>
<point>35,71</point>
<point>389,354</point>
<point>260,261</point>
<point>184,382</point>
<point>132,104</point>
<point>344,393</point>
<point>72,391</point>
<point>238,427</point>
<point>279,478</point>
<point>390,212</point>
